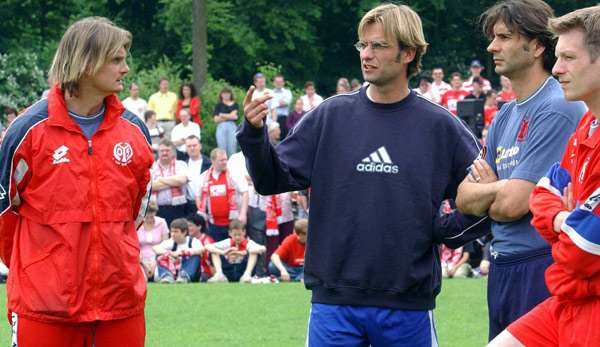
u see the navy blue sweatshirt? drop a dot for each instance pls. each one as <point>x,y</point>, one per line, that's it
<point>378,174</point>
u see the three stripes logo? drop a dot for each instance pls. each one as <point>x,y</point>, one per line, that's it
<point>378,161</point>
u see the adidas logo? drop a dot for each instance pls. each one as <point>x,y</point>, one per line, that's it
<point>378,161</point>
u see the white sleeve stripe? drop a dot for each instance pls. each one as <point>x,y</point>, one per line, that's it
<point>580,241</point>
<point>467,229</point>
<point>544,182</point>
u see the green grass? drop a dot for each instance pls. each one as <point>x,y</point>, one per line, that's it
<point>276,315</point>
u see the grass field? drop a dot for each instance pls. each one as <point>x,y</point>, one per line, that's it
<point>232,315</point>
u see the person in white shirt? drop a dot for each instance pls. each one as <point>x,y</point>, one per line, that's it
<point>438,86</point>
<point>134,103</point>
<point>197,163</point>
<point>169,182</point>
<point>182,131</point>
<point>310,99</point>
<point>179,256</point>
<point>280,103</point>
<point>234,258</point>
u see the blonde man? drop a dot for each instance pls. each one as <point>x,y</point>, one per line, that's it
<point>74,176</point>
<point>565,203</point>
<point>369,157</point>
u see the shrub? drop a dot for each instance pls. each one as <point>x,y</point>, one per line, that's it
<point>22,81</point>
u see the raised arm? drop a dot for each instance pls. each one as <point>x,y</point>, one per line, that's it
<point>285,168</point>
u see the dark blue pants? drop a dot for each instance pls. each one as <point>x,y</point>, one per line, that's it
<point>515,285</point>
<point>218,232</point>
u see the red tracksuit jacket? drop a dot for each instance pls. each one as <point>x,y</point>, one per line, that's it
<point>69,208</point>
<point>575,273</point>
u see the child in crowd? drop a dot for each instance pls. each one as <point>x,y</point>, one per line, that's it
<point>178,257</point>
<point>197,228</point>
<point>235,257</point>
<point>287,262</point>
<point>454,262</point>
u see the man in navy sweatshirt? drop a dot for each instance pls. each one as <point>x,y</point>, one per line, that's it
<point>379,162</point>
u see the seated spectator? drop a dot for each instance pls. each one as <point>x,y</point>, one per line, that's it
<point>189,99</point>
<point>155,130</point>
<point>182,131</point>
<point>287,262</point>
<point>454,262</point>
<point>235,257</point>
<point>178,257</point>
<point>151,233</point>
<point>296,114</point>
<point>197,228</point>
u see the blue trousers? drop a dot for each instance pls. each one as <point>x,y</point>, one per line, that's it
<point>188,264</point>
<point>363,326</point>
<point>296,272</point>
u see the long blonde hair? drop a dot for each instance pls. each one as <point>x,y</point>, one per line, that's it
<point>84,49</point>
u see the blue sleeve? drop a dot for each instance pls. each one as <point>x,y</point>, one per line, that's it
<point>545,144</point>
<point>456,229</point>
<point>285,167</point>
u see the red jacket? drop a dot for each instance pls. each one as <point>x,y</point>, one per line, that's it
<point>69,211</point>
<point>575,273</point>
<point>194,110</point>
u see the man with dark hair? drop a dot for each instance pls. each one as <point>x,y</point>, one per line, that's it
<point>310,99</point>
<point>476,89</point>
<point>565,203</point>
<point>70,206</point>
<point>526,137</point>
<point>169,185</point>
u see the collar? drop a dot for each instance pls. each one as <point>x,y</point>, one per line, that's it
<point>58,115</point>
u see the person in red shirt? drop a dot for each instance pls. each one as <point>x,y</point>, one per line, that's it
<point>287,262</point>
<point>188,99</point>
<point>74,186</point>
<point>566,203</point>
<point>454,95</point>
<point>490,108</point>
<point>506,94</point>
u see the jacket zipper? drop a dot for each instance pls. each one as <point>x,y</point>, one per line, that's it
<point>95,231</point>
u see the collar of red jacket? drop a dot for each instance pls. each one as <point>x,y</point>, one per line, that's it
<point>58,114</point>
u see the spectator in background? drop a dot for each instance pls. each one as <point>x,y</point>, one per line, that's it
<point>164,103</point>
<point>280,103</point>
<point>169,182</point>
<point>223,197</point>
<point>454,262</point>
<point>151,233</point>
<point>424,88</point>
<point>438,86</point>
<point>355,84</point>
<point>475,70</point>
<point>296,114</point>
<point>310,99</point>
<point>188,99</point>
<point>287,262</point>
<point>476,90</point>
<point>451,98</point>
<point>234,258</point>
<point>197,163</point>
<point>490,108</point>
<point>506,94</point>
<point>225,115</point>
<point>197,228</point>
<point>182,131</point>
<point>260,85</point>
<point>155,130</point>
<point>178,257</point>
<point>134,103</point>
<point>342,86</point>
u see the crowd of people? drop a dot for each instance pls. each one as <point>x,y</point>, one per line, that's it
<point>424,210</point>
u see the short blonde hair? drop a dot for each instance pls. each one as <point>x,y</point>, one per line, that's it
<point>585,19</point>
<point>402,24</point>
<point>84,49</point>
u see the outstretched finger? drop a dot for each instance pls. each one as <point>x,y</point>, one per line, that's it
<point>248,97</point>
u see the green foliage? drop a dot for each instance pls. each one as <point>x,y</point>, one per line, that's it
<point>21,79</point>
